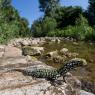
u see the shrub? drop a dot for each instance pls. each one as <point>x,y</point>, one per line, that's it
<point>90,35</point>
<point>11,24</point>
<point>42,27</point>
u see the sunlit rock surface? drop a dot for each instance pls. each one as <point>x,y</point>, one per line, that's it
<point>15,83</point>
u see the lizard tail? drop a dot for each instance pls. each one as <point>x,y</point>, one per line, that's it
<point>12,69</point>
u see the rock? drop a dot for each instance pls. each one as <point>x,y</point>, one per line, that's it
<point>35,41</point>
<point>71,55</point>
<point>74,54</point>
<point>33,58</point>
<point>15,83</point>
<point>52,39</point>
<point>51,54</point>
<point>2,50</point>
<point>15,42</point>
<point>18,42</point>
<point>82,92</point>
<point>12,52</point>
<point>13,61</point>
<point>28,58</point>
<point>57,41</point>
<point>38,48</point>
<point>54,57</point>
<point>76,43</point>
<point>88,85</point>
<point>1,54</point>
<point>58,59</point>
<point>64,51</point>
<point>26,42</point>
<point>32,51</point>
<point>73,83</point>
<point>91,43</point>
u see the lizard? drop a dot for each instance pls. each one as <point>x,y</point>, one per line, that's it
<point>53,74</point>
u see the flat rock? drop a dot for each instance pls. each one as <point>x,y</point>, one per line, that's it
<point>16,83</point>
<point>85,93</point>
<point>32,51</point>
<point>13,61</point>
<point>12,52</point>
<point>51,54</point>
<point>64,51</point>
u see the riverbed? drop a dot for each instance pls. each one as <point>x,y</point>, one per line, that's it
<point>85,50</point>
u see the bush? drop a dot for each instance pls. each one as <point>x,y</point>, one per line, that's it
<point>77,32</point>
<point>90,35</point>
<point>11,24</point>
<point>42,27</point>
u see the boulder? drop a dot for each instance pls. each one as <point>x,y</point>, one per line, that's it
<point>75,43</point>
<point>71,54</point>
<point>73,83</point>
<point>16,83</point>
<point>15,42</point>
<point>28,58</point>
<point>54,57</point>
<point>64,51</point>
<point>38,48</point>
<point>32,51</point>
<point>35,41</point>
<point>2,50</point>
<point>26,42</point>
<point>18,42</point>
<point>58,59</point>
<point>82,92</point>
<point>51,54</point>
<point>88,85</point>
<point>58,40</point>
<point>12,52</point>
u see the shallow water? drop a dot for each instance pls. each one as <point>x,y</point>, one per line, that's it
<point>85,50</point>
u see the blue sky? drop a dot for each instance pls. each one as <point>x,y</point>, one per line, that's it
<point>29,9</point>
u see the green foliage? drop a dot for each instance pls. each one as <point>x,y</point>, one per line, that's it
<point>11,24</point>
<point>90,35</point>
<point>66,22</point>
<point>48,25</point>
<point>67,16</point>
<point>58,21</point>
<point>42,27</point>
<point>48,7</point>
<point>91,12</point>
<point>81,31</point>
<point>36,28</point>
<point>5,3</point>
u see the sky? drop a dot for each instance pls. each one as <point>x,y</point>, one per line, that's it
<point>30,8</point>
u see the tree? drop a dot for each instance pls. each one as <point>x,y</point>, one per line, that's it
<point>67,15</point>
<point>11,24</point>
<point>48,6</point>
<point>5,3</point>
<point>91,12</point>
<point>42,27</point>
<point>24,30</point>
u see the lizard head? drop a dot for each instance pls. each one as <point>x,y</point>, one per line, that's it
<point>80,61</point>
